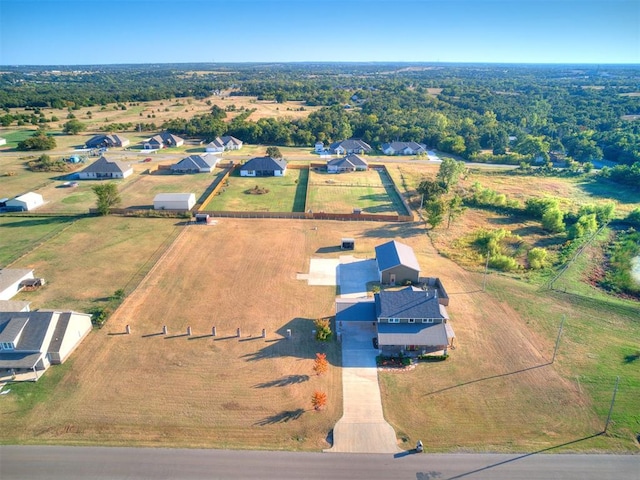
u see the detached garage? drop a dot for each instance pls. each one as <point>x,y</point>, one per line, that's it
<point>174,201</point>
<point>26,202</point>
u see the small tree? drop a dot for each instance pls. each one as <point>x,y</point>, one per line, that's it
<point>435,210</point>
<point>323,329</point>
<point>108,197</point>
<point>73,127</point>
<point>553,220</point>
<point>450,172</point>
<point>320,365</point>
<point>455,208</point>
<point>318,400</point>
<point>274,152</point>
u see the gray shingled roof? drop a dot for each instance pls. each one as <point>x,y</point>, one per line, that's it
<point>194,162</point>
<point>402,145</point>
<point>352,160</point>
<point>393,253</point>
<point>59,332</point>
<point>409,303</point>
<point>19,359</point>
<point>102,165</point>
<point>351,144</point>
<point>34,327</point>
<point>433,334</point>
<point>264,163</point>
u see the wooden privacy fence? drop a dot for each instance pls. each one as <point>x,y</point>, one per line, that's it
<point>216,186</point>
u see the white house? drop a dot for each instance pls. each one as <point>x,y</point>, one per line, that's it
<point>350,163</point>
<point>319,147</point>
<point>352,145</point>
<point>196,164</point>
<point>25,202</point>
<point>3,141</point>
<point>11,281</point>
<point>106,169</point>
<point>220,144</point>
<point>31,341</point>
<point>174,201</point>
<point>403,148</point>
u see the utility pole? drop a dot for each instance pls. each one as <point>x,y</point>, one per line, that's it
<point>555,350</point>
<point>613,400</point>
<point>486,271</point>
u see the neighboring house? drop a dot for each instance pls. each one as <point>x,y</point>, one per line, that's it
<point>346,147</point>
<point>411,319</point>
<point>174,201</point>
<point>196,164</point>
<point>403,148</point>
<point>397,263</point>
<point>25,202</point>
<point>264,167</point>
<point>32,341</point>
<point>12,280</point>
<point>14,306</point>
<point>107,141</point>
<point>163,140</point>
<point>319,147</point>
<point>104,169</point>
<point>221,144</point>
<point>350,163</point>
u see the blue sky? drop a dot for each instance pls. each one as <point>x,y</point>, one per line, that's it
<point>60,32</point>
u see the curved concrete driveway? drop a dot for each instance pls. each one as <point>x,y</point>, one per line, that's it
<point>362,428</point>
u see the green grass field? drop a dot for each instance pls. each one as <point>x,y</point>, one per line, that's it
<point>286,194</point>
<point>21,235</point>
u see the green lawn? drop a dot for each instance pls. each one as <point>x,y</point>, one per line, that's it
<point>286,194</point>
<point>15,136</point>
<point>370,191</point>
<point>22,234</point>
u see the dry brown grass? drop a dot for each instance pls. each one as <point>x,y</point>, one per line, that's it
<point>224,392</point>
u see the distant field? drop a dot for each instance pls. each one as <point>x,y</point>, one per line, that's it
<point>341,193</point>
<point>160,111</point>
<point>286,194</point>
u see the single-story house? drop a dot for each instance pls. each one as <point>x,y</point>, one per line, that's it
<point>397,263</point>
<point>12,281</point>
<point>174,201</point>
<point>352,145</point>
<point>163,140</point>
<point>403,148</point>
<point>107,141</point>
<point>411,319</point>
<point>196,164</point>
<point>25,202</point>
<point>221,144</point>
<point>264,167</point>
<point>319,147</point>
<point>105,169</point>
<point>31,341</point>
<point>350,163</point>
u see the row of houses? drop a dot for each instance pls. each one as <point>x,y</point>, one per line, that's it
<point>355,146</point>
<point>228,143</point>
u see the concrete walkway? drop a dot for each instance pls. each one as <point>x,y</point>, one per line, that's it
<point>362,428</point>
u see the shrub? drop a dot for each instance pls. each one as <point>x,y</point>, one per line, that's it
<point>634,217</point>
<point>503,263</point>
<point>433,358</point>
<point>553,220</point>
<point>537,257</point>
<point>323,329</point>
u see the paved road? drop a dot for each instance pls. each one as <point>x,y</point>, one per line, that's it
<point>98,463</point>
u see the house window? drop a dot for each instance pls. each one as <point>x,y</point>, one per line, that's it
<point>412,320</point>
<point>427,320</point>
<point>7,346</point>
<point>394,320</point>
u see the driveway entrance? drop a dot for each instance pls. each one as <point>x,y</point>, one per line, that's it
<point>362,428</point>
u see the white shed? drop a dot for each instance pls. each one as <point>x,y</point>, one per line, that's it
<point>25,202</point>
<point>11,281</point>
<point>174,201</point>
